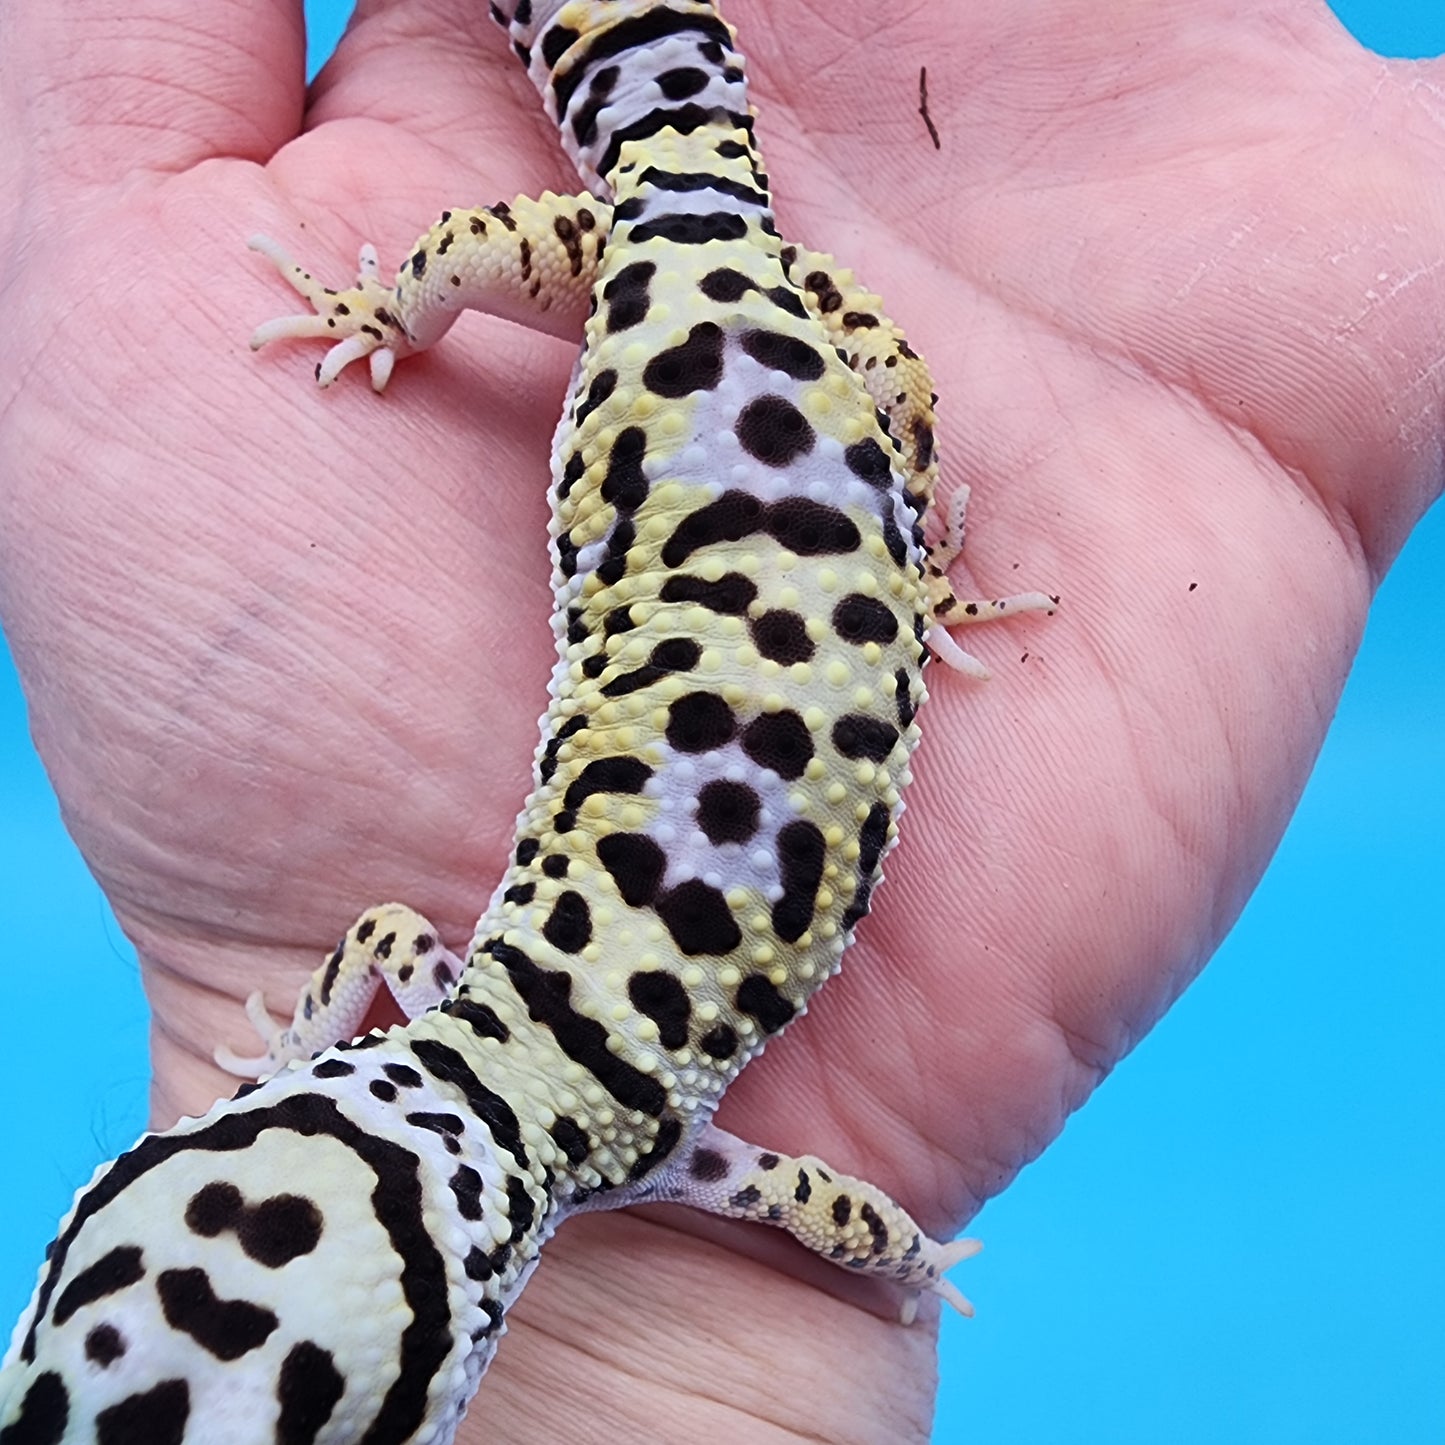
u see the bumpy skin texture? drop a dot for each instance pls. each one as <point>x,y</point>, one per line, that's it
<point>278,745</point>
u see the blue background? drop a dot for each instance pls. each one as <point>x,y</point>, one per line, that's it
<point>1239,1239</point>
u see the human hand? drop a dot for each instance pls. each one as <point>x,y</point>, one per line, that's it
<point>1178,274</point>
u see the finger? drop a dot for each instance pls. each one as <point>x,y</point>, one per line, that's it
<point>99,93</point>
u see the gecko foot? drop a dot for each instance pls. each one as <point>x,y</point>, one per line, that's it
<point>359,319</point>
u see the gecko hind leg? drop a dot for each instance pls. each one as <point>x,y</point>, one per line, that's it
<point>391,946</point>
<point>842,1218</point>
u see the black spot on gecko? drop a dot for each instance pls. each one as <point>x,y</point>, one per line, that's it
<point>842,1210</point>
<point>527,850</point>
<point>110,1274</point>
<point>923,445</point>
<point>478,1265</point>
<point>157,1416</point>
<point>686,228</point>
<point>701,181</point>
<point>636,864</point>
<point>871,838</point>
<point>719,1042</point>
<point>603,385</point>
<point>693,365</point>
<point>555,43</point>
<point>759,998</point>
<point>683,82</point>
<point>768,1161</point>
<point>859,619</point>
<point>725,285</point>
<point>787,299</point>
<point>521,893</point>
<point>787,354</point>
<point>811,529</point>
<point>227,1329</point>
<point>781,636</point>
<point>569,925</point>
<point>607,775</point>
<point>660,996</point>
<point>554,865</point>
<point>779,741</point>
<point>876,1227</point>
<point>403,1075</point>
<point>273,1233</point>
<point>858,736</point>
<point>466,1186</point>
<point>869,462</point>
<point>707,1165</point>
<point>698,917</point>
<point>904,698</point>
<point>728,812</point>
<point>893,540</point>
<point>800,858</point>
<point>584,123</point>
<point>821,284</point>
<point>479,1017</point>
<point>443,1124</point>
<point>774,431</point>
<point>746,1197</point>
<point>730,595</point>
<point>493,1311</point>
<point>677,654</point>
<point>698,722</point>
<point>333,967</point>
<point>308,1389</point>
<point>625,486</point>
<point>621,539</point>
<point>806,527</point>
<point>44,1413</point>
<point>570,1139</point>
<point>503,212</point>
<point>104,1345</point>
<point>668,1133</point>
<point>566,231</point>
<point>627,296</point>
<point>520,1209</point>
<point>804,1192</point>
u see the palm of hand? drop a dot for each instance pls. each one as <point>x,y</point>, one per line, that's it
<point>286,651</point>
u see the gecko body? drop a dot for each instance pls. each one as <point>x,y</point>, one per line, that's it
<point>740,478</point>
